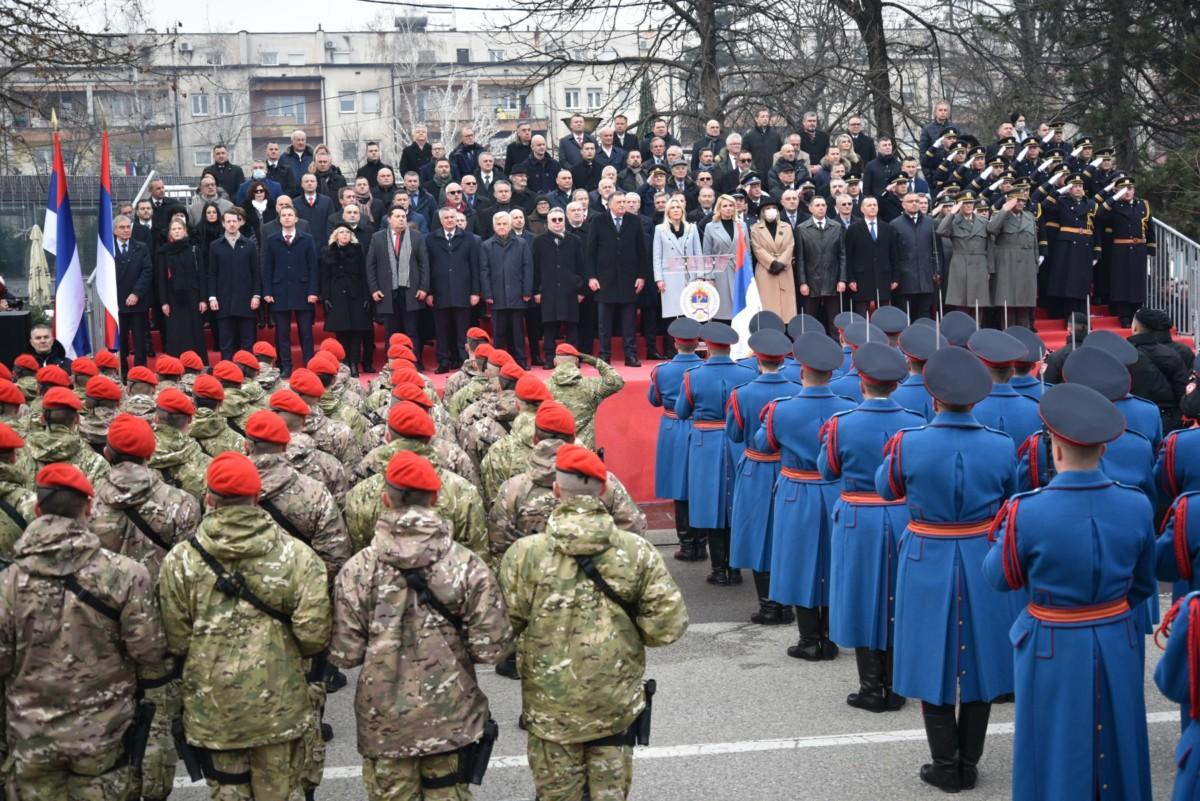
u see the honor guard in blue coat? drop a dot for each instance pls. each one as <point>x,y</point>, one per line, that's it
<point>804,501</point>
<point>1027,376</point>
<point>957,327</point>
<point>951,627</point>
<point>755,475</point>
<point>1178,558</point>
<point>797,327</point>
<point>1004,409</point>
<point>1178,677</point>
<point>918,343</point>
<point>670,470</point>
<point>866,527</point>
<point>1081,550</point>
<point>760,321</point>
<point>891,320</point>
<point>842,321</point>
<point>1141,415</point>
<point>855,335</point>
<point>711,455</point>
<point>1178,467</point>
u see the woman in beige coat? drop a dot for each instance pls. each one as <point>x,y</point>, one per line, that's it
<point>773,246</point>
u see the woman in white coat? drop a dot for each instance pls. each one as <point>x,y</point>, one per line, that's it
<point>720,239</point>
<point>674,236</point>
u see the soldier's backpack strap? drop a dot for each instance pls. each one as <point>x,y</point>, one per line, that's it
<point>234,585</point>
<point>12,512</point>
<point>169,477</point>
<point>72,584</point>
<point>233,424</point>
<point>147,530</point>
<point>630,609</point>
<point>284,522</point>
<point>425,596</point>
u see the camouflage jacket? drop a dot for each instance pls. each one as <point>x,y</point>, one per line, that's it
<point>582,395</point>
<point>306,457</point>
<point>61,444</point>
<point>14,490</point>
<point>580,657</point>
<point>254,394</point>
<point>334,437</point>
<point>470,392</point>
<point>348,388</point>
<point>417,693</point>
<point>461,378</point>
<point>486,421</point>
<point>187,383</point>
<point>243,676</point>
<point>212,432</point>
<point>308,505</point>
<point>237,406</point>
<point>180,461</point>
<point>524,502</point>
<point>20,423</point>
<point>71,671</point>
<point>171,513</point>
<point>269,379</point>
<point>335,409</point>
<point>142,406</point>
<point>93,425</point>
<point>508,457</point>
<point>458,502</point>
<point>28,386</point>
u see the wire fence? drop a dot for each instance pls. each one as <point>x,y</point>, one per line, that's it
<point>1174,270</point>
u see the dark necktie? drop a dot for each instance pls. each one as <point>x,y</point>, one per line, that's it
<point>873,235</point>
<point>287,238</point>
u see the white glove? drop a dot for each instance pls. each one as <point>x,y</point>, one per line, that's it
<point>1065,190</point>
<point>1045,165</point>
<point>1057,178</point>
<point>1120,194</point>
<point>1075,153</point>
<point>995,185</point>
<point>984,175</point>
<point>1046,139</point>
<point>1095,261</point>
<point>1096,162</point>
<point>938,143</point>
<point>1021,155</point>
<point>1040,260</point>
<point>1109,188</point>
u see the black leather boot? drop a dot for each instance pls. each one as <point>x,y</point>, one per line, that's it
<point>718,557</point>
<point>686,552</point>
<point>699,542</point>
<point>870,695</point>
<point>972,731</point>
<point>829,650</point>
<point>762,586</point>
<point>894,702</point>
<point>941,729</point>
<point>809,648</point>
<point>508,668</point>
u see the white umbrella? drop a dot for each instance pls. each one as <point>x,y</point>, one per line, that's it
<point>41,287</point>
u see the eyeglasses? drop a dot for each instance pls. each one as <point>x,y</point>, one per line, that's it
<point>703,178</point>
<point>260,191</point>
<point>745,161</point>
<point>453,191</point>
<point>468,183</point>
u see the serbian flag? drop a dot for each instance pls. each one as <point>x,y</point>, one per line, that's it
<point>50,224</point>
<point>746,302</point>
<point>106,265</point>
<point>70,325</point>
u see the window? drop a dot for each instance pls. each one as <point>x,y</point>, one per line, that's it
<point>495,55</point>
<point>370,102</point>
<point>340,57</point>
<point>295,59</point>
<point>349,151</point>
<point>225,103</point>
<point>571,98</point>
<point>215,59</point>
<point>202,156</point>
<point>120,106</point>
<point>595,98</point>
<point>346,102</point>
<point>464,55</point>
<point>200,105</point>
<point>269,58</point>
<point>290,106</point>
<point>67,104</point>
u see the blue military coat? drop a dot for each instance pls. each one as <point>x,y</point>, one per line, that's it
<point>1174,677</point>
<point>848,385</point>
<point>670,454</point>
<point>912,395</point>
<point>1028,385</point>
<point>1005,409</point>
<point>1178,467</point>
<point>1142,416</point>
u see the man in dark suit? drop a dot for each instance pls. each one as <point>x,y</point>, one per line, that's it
<point>487,173</point>
<point>519,148</point>
<point>617,266</point>
<point>228,176</point>
<point>570,147</point>
<point>398,276</point>
<point>236,282</point>
<point>164,208</point>
<point>274,226</point>
<point>279,172</point>
<point>312,206</point>
<point>872,258</point>
<point>291,284</point>
<point>133,289</point>
<point>143,225</point>
<point>864,145</point>
<point>454,282</point>
<point>623,137</point>
<point>417,153</point>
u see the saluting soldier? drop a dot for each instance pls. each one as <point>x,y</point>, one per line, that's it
<point>471,366</point>
<point>1129,249</point>
<point>579,393</point>
<point>1076,246</point>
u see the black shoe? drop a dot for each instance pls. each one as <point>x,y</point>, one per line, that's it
<point>354,371</point>
<point>508,668</point>
<point>719,577</point>
<point>442,369</point>
<point>655,356</point>
<point>334,680</point>
<point>326,732</point>
<point>808,620</point>
<point>893,702</point>
<point>1007,698</point>
<point>810,652</point>
<point>735,577</point>
<point>632,361</point>
<point>829,650</point>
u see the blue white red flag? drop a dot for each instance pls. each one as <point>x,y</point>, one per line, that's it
<point>70,325</point>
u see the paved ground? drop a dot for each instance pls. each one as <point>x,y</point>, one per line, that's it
<point>737,720</point>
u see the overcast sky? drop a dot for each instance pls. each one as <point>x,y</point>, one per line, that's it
<point>292,15</point>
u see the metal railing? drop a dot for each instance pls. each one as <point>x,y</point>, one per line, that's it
<point>1174,270</point>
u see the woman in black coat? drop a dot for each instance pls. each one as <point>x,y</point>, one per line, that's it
<point>346,297</point>
<point>182,292</point>
<point>557,283</point>
<point>259,210</point>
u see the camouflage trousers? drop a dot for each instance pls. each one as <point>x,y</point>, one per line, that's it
<point>566,771</point>
<point>102,777</point>
<point>274,772</point>
<point>312,747</point>
<point>400,779</point>
<point>157,775</point>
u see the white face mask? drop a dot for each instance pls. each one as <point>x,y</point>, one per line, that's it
<point>260,174</point>
<point>771,215</point>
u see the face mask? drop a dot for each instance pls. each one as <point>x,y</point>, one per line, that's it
<point>770,215</point>
<point>260,174</point>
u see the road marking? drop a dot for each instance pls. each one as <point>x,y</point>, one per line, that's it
<point>742,747</point>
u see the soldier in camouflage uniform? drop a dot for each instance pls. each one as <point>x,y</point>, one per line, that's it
<point>12,399</point>
<point>101,403</point>
<point>108,364</point>
<point>177,456</point>
<point>140,388</point>
<point>82,369</point>
<point>236,407</point>
<point>473,366</point>
<point>489,419</point>
<point>193,366</point>
<point>444,445</point>
<point>579,393</point>
<point>24,371</point>
<point>302,451</point>
<point>47,377</point>
<point>76,621</point>
<point>59,440</point>
<point>15,492</point>
<point>268,374</point>
<point>209,427</point>
<point>170,372</point>
<point>138,515</point>
<point>246,698</point>
<point>332,403</point>
<point>579,722</point>
<point>332,436</point>
<point>255,395</point>
<point>510,455</point>
<point>418,701</point>
<point>410,429</point>
<point>345,385</point>
<point>488,361</point>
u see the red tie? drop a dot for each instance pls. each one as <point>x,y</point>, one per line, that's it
<point>397,245</point>
<point>287,238</point>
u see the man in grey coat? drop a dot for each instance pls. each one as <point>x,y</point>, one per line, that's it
<point>1014,253</point>
<point>398,276</point>
<point>820,263</point>
<point>921,259</point>
<point>506,277</point>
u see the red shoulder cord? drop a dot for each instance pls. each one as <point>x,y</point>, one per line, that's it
<point>767,418</point>
<point>891,452</point>
<point>1012,560</point>
<point>1183,558</point>
<point>1169,465</point>
<point>1029,448</point>
<point>654,382</point>
<point>733,404</point>
<point>1193,648</point>
<point>687,388</point>
<point>829,433</point>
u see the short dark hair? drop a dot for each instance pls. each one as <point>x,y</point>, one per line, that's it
<point>372,143</point>
<point>60,417</point>
<point>61,501</point>
<point>409,497</point>
<point>175,420</point>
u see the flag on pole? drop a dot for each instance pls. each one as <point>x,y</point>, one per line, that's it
<point>50,224</point>
<point>746,302</point>
<point>106,265</point>
<point>70,325</point>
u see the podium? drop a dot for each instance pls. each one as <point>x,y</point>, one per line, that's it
<point>697,287</point>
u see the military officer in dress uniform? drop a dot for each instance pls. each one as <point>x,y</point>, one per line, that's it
<point>711,455</point>
<point>1076,246</point>
<point>670,472</point>
<point>1004,409</point>
<point>756,472</point>
<point>951,627</point>
<point>1081,713</point>
<point>1027,370</point>
<point>854,335</point>
<point>866,528</point>
<point>918,343</point>
<point>803,500</point>
<point>1130,246</point>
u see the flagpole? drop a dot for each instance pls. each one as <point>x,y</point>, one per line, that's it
<point>1006,313</point>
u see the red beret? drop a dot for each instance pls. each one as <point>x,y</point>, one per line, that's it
<point>566,349</point>
<point>400,338</point>
<point>512,370</point>
<point>173,400</point>
<point>285,400</point>
<point>267,426</point>
<point>5,373</point>
<point>190,360</point>
<point>229,372</point>
<point>408,470</point>
<point>143,375</point>
<point>476,332</point>
<point>208,387</point>
<point>413,394</point>
<point>84,366</point>
<point>499,357</point>
<point>554,417</point>
<point>266,349</point>
<point>61,398</point>
<point>168,366</point>
<point>131,435</point>
<point>305,382</point>
<point>331,345</point>
<point>11,393</point>
<point>410,420</point>
<point>579,460</point>
<point>107,360</point>
<point>401,352</point>
<point>484,351</point>
<point>65,476</point>
<point>233,475</point>
<point>246,359</point>
<point>100,387</point>
<point>9,440</point>
<point>53,375</point>
<point>27,361</point>
<point>323,363</point>
<point>530,388</point>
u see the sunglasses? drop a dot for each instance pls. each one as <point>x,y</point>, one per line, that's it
<point>453,191</point>
<point>260,191</point>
